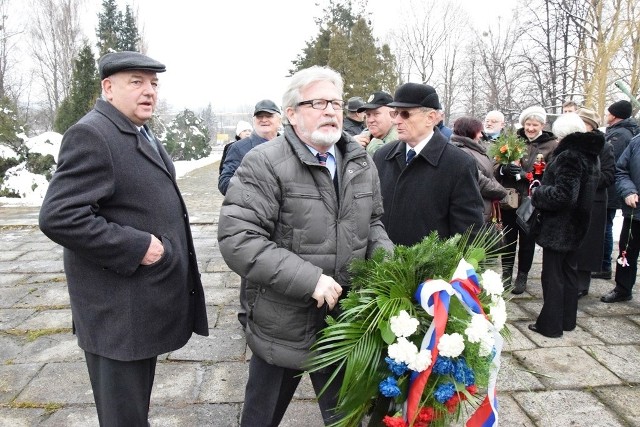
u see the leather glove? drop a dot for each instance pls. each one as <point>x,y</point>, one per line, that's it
<point>514,170</point>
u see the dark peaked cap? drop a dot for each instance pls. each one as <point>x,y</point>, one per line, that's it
<point>411,95</point>
<point>377,100</point>
<point>115,62</point>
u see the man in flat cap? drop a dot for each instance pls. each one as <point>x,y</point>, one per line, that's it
<point>353,123</point>
<point>427,184</point>
<point>380,127</point>
<point>132,275</point>
<point>266,122</point>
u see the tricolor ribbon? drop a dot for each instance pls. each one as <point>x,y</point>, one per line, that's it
<point>434,297</point>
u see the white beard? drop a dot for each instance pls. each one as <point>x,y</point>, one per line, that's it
<point>324,139</point>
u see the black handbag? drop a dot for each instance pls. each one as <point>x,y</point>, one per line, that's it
<point>527,216</point>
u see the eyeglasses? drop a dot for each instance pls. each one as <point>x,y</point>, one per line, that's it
<point>321,104</point>
<point>405,114</point>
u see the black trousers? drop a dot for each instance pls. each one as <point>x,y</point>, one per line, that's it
<point>513,236</point>
<point>629,241</point>
<point>270,388</point>
<point>121,390</point>
<point>559,292</point>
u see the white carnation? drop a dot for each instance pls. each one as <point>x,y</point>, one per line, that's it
<point>403,351</point>
<point>478,328</point>
<point>498,312</point>
<point>486,345</point>
<point>421,362</point>
<point>451,345</point>
<point>403,325</point>
<point>492,283</point>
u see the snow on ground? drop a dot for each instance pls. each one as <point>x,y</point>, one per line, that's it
<point>33,187</point>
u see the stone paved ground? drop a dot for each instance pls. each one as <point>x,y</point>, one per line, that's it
<point>589,377</point>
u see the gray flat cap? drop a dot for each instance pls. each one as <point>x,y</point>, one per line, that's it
<point>115,62</point>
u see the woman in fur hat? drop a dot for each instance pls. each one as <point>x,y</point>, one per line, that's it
<point>564,201</point>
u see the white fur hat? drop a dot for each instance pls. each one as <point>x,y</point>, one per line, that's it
<point>536,112</point>
<point>242,125</point>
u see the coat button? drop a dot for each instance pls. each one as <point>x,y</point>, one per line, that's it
<point>193,292</point>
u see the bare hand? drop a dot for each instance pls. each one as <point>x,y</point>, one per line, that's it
<point>154,253</point>
<point>363,139</point>
<point>327,290</point>
<point>631,200</point>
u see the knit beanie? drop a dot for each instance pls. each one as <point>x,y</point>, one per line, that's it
<point>536,112</point>
<point>621,109</point>
<point>241,126</point>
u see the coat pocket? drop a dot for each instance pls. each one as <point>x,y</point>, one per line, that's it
<point>162,264</point>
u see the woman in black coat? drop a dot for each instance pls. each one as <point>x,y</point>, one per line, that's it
<point>564,201</point>
<point>591,250</point>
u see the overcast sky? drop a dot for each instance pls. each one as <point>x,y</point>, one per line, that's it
<point>235,52</point>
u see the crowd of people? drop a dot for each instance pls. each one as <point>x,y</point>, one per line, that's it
<point>310,186</point>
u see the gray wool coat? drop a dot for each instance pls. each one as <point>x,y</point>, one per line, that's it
<point>110,192</point>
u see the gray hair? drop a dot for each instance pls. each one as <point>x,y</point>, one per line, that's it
<point>568,123</point>
<point>304,78</point>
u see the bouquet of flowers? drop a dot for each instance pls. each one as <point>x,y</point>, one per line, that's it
<point>507,149</point>
<point>417,350</point>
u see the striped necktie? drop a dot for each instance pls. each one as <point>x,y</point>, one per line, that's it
<point>322,158</point>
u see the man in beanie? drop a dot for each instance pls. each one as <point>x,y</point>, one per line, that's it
<point>266,121</point>
<point>380,127</point>
<point>353,123</point>
<point>621,128</point>
<point>427,184</point>
<point>115,207</point>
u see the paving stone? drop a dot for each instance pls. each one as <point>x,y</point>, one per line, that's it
<point>47,295</point>
<point>596,308</point>
<point>513,376</point>
<point>61,383</point>
<point>302,413</point>
<point>224,296</point>
<point>224,382</point>
<point>10,295</point>
<point>623,401</point>
<point>566,408</point>
<point>10,318</point>
<point>11,255</point>
<point>47,319</point>
<point>572,338</point>
<point>622,360</point>
<point>46,278</point>
<point>517,340</point>
<point>221,345</point>
<point>73,416</point>
<point>10,348</point>
<point>52,348</point>
<point>612,330</point>
<point>515,312</point>
<point>41,244</point>
<point>10,279</point>
<point>10,417</point>
<point>228,317</point>
<point>565,367</point>
<point>51,254</point>
<point>217,265</point>
<point>13,378</point>
<point>511,414</point>
<point>176,383</point>
<point>214,280</point>
<point>210,415</point>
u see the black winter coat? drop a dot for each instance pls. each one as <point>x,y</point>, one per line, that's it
<point>567,192</point>
<point>437,191</point>
<point>110,192</point>
<point>619,136</point>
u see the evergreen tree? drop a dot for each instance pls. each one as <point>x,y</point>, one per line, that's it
<point>85,89</point>
<point>187,137</point>
<point>345,43</point>
<point>210,121</point>
<point>11,127</point>
<point>129,37</point>
<point>109,24</point>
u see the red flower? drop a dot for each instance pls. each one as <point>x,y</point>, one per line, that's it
<point>394,421</point>
<point>427,414</point>
<point>452,403</point>
<point>472,389</point>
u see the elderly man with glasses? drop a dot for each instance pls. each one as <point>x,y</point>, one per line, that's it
<point>427,184</point>
<point>301,208</point>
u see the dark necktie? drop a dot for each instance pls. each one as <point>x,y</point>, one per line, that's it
<point>410,155</point>
<point>322,158</point>
<point>149,139</point>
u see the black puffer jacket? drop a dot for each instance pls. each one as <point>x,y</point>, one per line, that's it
<point>568,188</point>
<point>619,136</point>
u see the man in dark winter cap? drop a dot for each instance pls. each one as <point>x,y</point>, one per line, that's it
<point>353,122</point>
<point>380,127</point>
<point>621,128</point>
<point>427,184</point>
<point>132,274</point>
